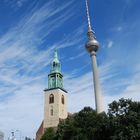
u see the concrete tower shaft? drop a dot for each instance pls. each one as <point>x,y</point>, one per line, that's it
<point>92,46</point>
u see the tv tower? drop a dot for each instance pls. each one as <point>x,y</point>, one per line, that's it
<point>92,46</point>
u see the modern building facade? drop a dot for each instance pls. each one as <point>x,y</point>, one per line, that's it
<point>55,104</point>
<point>1,135</point>
<point>92,46</point>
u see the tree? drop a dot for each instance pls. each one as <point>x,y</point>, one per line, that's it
<point>81,126</point>
<point>49,134</point>
<point>65,129</point>
<point>124,118</point>
<point>122,122</point>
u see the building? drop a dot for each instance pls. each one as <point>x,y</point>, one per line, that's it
<point>92,46</point>
<point>1,135</point>
<point>55,104</point>
<point>12,136</point>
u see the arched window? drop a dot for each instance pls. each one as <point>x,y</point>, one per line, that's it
<point>62,99</point>
<point>55,64</point>
<point>51,99</point>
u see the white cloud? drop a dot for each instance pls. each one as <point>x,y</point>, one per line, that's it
<point>15,4</point>
<point>20,2</point>
<point>110,44</point>
<point>81,91</point>
<point>21,64</point>
<point>119,28</point>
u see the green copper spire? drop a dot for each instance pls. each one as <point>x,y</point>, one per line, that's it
<point>55,78</point>
<point>56,66</point>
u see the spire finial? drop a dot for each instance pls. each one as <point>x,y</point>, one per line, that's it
<point>87,11</point>
<point>55,54</point>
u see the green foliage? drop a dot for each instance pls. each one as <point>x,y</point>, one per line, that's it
<point>122,122</point>
<point>81,126</point>
<point>124,117</point>
<point>49,134</point>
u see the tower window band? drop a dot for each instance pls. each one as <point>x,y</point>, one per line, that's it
<point>51,99</point>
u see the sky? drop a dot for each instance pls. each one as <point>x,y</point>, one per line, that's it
<point>30,31</point>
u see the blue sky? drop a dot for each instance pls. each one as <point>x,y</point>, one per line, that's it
<point>29,33</point>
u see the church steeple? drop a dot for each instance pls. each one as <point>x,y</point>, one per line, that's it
<point>55,78</point>
<point>55,104</point>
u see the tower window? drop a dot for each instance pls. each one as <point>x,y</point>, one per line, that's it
<point>51,112</point>
<point>51,99</point>
<point>62,99</point>
<point>55,64</point>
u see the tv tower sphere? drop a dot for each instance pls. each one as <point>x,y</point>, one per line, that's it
<point>92,44</point>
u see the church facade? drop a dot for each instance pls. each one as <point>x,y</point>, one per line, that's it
<point>55,98</point>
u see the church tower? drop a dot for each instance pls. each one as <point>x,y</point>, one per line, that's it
<point>55,104</point>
